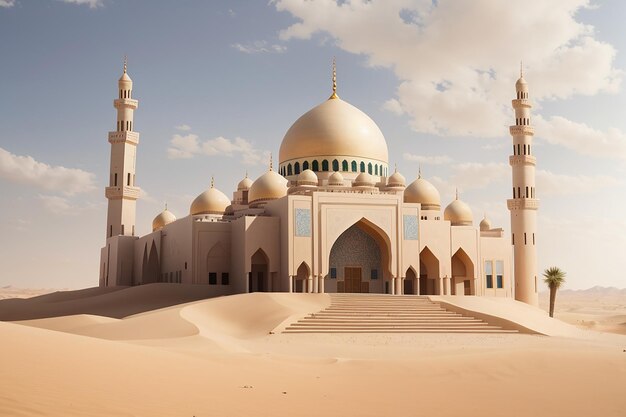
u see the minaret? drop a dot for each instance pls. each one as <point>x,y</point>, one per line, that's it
<point>121,192</point>
<point>523,205</point>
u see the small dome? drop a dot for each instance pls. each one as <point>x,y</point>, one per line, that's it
<point>521,84</point>
<point>244,184</point>
<point>335,179</point>
<point>212,201</point>
<point>162,219</point>
<point>125,78</point>
<point>485,224</point>
<point>229,210</point>
<point>364,180</point>
<point>396,180</point>
<point>423,192</point>
<point>307,177</point>
<point>458,213</point>
<point>268,186</point>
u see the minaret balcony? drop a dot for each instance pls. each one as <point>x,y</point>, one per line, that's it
<point>126,136</point>
<point>522,204</point>
<point>125,102</point>
<point>522,160</point>
<point>126,192</point>
<point>521,102</point>
<point>521,130</point>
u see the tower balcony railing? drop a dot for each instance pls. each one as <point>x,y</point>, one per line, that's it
<point>522,203</point>
<point>125,136</point>
<point>521,102</point>
<point>126,192</point>
<point>521,130</point>
<point>125,102</point>
<point>522,160</point>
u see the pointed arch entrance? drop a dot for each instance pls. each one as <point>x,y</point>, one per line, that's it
<point>462,274</point>
<point>258,277</point>
<point>359,260</point>
<point>429,281</point>
<point>410,282</point>
<point>302,278</point>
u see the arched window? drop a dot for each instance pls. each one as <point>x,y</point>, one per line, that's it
<point>524,149</point>
<point>527,195</point>
<point>128,180</point>
<point>335,165</point>
<point>528,149</point>
<point>305,165</point>
<point>354,166</point>
<point>296,168</point>
<point>289,172</point>
<point>131,126</point>
<point>369,168</point>
<point>381,170</point>
<point>376,169</point>
<point>344,166</point>
<point>362,167</point>
<point>316,166</point>
<point>324,165</point>
<point>115,182</point>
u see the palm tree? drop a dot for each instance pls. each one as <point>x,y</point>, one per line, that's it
<point>554,278</point>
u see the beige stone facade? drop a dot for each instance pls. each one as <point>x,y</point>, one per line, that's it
<point>330,219</point>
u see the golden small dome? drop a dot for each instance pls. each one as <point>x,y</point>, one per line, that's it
<point>334,128</point>
<point>244,184</point>
<point>485,225</point>
<point>458,213</point>
<point>268,186</point>
<point>364,180</point>
<point>335,179</point>
<point>307,177</point>
<point>229,210</point>
<point>212,201</point>
<point>162,219</point>
<point>423,192</point>
<point>396,180</point>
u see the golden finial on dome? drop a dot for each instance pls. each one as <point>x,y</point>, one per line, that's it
<point>246,173</point>
<point>212,181</point>
<point>166,206</point>
<point>457,193</point>
<point>125,63</point>
<point>419,171</point>
<point>334,94</point>
<point>395,167</point>
<point>521,69</point>
<point>271,163</point>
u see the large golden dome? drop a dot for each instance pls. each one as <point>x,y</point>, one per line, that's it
<point>334,129</point>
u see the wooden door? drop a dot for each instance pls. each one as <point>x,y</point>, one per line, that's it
<point>352,279</point>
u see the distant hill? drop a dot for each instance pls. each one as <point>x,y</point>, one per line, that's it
<point>596,290</point>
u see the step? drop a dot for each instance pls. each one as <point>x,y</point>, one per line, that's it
<point>292,331</point>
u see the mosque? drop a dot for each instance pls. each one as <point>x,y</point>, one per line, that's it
<point>331,218</point>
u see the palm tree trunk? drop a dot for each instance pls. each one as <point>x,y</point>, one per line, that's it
<point>552,299</point>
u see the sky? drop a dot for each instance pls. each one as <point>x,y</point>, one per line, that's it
<point>220,82</point>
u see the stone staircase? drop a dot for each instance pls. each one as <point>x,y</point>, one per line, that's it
<point>381,313</point>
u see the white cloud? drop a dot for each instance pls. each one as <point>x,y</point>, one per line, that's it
<point>549,183</point>
<point>582,138</point>
<point>188,146</point>
<point>457,60</point>
<point>428,159</point>
<point>26,170</point>
<point>183,127</point>
<point>258,47</point>
<point>56,204</point>
<point>7,3</point>
<point>91,3</point>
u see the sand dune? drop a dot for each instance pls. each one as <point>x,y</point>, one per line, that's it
<point>217,357</point>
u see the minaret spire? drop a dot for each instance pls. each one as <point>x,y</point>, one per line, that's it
<point>419,171</point>
<point>271,163</point>
<point>212,182</point>
<point>524,204</point>
<point>521,69</point>
<point>334,94</point>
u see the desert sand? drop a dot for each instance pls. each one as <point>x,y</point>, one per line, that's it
<point>217,358</point>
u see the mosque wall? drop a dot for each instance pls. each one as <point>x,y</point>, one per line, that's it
<point>147,255</point>
<point>435,235</point>
<point>410,238</point>
<point>212,256</point>
<point>116,265</point>
<point>496,259</point>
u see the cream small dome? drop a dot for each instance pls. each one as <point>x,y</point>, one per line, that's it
<point>364,180</point>
<point>229,210</point>
<point>244,184</point>
<point>335,179</point>
<point>212,201</point>
<point>485,224</point>
<point>423,192</point>
<point>268,186</point>
<point>396,180</point>
<point>458,213</point>
<point>521,84</point>
<point>162,219</point>
<point>307,177</point>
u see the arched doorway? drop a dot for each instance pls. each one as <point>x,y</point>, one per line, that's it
<point>258,277</point>
<point>302,278</point>
<point>410,282</point>
<point>462,282</point>
<point>429,282</point>
<point>150,271</point>
<point>359,260</point>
